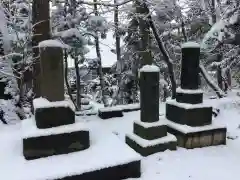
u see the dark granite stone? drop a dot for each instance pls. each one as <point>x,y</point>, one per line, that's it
<point>52,75</point>
<point>146,151</point>
<point>189,98</point>
<point>54,116</point>
<point>151,132</point>
<point>190,68</point>
<point>118,172</point>
<point>188,140</point>
<point>192,117</point>
<point>44,146</point>
<point>149,95</point>
<point>110,114</point>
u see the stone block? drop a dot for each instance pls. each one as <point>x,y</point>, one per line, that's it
<point>47,117</point>
<point>198,116</point>
<point>149,96</point>
<point>146,150</point>
<point>118,172</point>
<point>199,138</point>
<point>195,98</point>
<point>151,132</point>
<point>106,113</point>
<point>56,144</point>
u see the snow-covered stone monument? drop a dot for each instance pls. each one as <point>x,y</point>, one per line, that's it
<point>66,150</point>
<point>188,118</point>
<point>52,111</point>
<point>150,134</point>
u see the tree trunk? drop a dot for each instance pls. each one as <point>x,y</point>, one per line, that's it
<point>217,90</point>
<point>118,53</point>
<point>144,30</point>
<point>41,32</point>
<point>100,72</point>
<point>166,57</point>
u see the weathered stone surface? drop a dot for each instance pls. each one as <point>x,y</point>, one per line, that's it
<point>43,146</point>
<point>200,139</point>
<point>219,137</point>
<point>150,133</point>
<point>54,116</point>
<point>192,117</point>
<point>189,98</point>
<point>52,76</point>
<point>146,151</point>
<point>149,95</point>
<point>110,114</point>
<point>190,68</point>
<point>118,172</point>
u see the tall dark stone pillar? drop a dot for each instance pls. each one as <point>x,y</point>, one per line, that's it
<point>149,96</point>
<point>190,66</point>
<point>188,108</point>
<point>52,77</point>
<point>150,128</point>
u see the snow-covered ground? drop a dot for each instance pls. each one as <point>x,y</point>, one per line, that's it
<point>219,162</point>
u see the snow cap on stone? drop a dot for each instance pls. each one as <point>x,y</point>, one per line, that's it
<point>150,68</point>
<point>51,43</point>
<point>190,44</point>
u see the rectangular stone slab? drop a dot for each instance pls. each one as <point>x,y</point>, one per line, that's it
<point>194,116</point>
<point>200,137</point>
<point>111,112</point>
<point>54,116</point>
<point>189,98</point>
<point>44,146</point>
<point>146,148</point>
<point>150,132</point>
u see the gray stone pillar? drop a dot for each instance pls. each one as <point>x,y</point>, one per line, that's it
<point>190,65</point>
<point>52,74</point>
<point>149,94</point>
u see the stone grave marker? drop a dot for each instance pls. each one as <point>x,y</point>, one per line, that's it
<point>53,132</point>
<point>150,134</point>
<point>189,109</point>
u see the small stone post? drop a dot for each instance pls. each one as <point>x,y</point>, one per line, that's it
<point>150,129</point>
<point>52,74</point>
<point>190,66</point>
<point>149,94</point>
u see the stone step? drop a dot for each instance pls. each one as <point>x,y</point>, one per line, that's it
<point>39,143</point>
<point>148,147</point>
<point>110,112</point>
<point>195,137</point>
<point>53,114</point>
<point>189,114</point>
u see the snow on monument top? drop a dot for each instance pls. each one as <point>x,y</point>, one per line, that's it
<point>51,43</point>
<point>150,68</point>
<point>190,44</point>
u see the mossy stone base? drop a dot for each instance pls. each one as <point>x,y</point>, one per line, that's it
<point>44,146</point>
<point>146,151</point>
<point>110,114</point>
<point>118,172</point>
<point>195,98</point>
<point>200,139</point>
<point>149,133</point>
<point>54,116</point>
<point>192,117</point>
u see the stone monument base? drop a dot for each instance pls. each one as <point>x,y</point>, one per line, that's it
<point>39,143</point>
<point>196,137</point>
<point>189,114</point>
<point>52,114</point>
<point>149,138</point>
<point>101,161</point>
